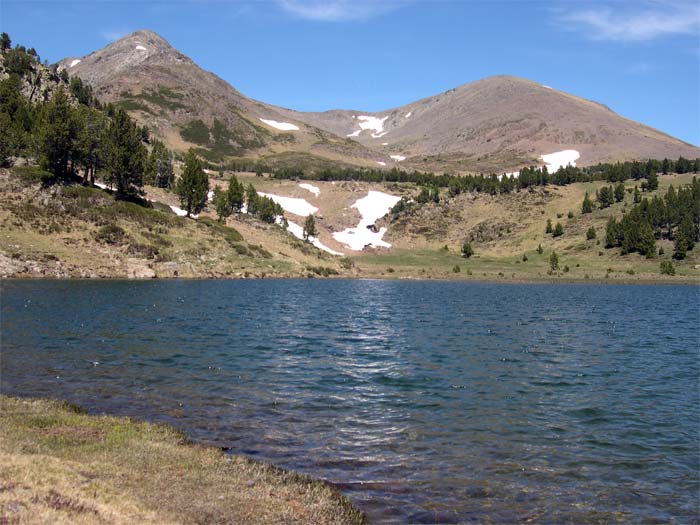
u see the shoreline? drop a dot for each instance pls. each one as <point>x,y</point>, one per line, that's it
<point>63,465</point>
<point>680,281</point>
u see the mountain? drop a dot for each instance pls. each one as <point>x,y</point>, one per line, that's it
<point>187,106</point>
<point>499,123</point>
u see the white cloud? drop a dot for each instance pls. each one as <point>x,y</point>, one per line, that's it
<point>338,10</point>
<point>637,22</point>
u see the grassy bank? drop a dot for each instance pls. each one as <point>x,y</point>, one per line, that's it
<point>60,465</point>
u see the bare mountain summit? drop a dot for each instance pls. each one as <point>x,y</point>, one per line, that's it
<point>187,106</point>
<point>498,123</point>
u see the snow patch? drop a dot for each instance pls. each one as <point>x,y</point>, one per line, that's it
<point>140,48</point>
<point>313,189</point>
<point>385,143</point>
<point>210,195</point>
<point>284,126</point>
<point>296,206</point>
<point>381,163</point>
<point>367,122</point>
<point>298,232</point>
<point>409,114</point>
<point>398,158</point>
<point>372,208</point>
<point>75,62</point>
<point>182,213</point>
<point>546,86</point>
<point>560,159</point>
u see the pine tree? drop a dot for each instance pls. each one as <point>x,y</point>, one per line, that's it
<point>553,262</point>
<point>193,185</point>
<point>221,204</point>
<point>637,195</point>
<point>467,250</point>
<point>91,141</point>
<point>652,181</point>
<point>612,233</point>
<point>540,250</point>
<point>251,199</point>
<point>159,167</point>
<point>548,228</point>
<point>235,194</point>
<point>587,206</point>
<point>620,192</point>
<point>558,230</point>
<point>126,155</point>
<point>590,233</point>
<point>684,238</point>
<point>310,227</point>
<point>58,135</point>
<point>646,244</point>
<point>5,42</point>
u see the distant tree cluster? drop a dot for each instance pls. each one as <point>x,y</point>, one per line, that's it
<point>494,184</point>
<point>676,216</point>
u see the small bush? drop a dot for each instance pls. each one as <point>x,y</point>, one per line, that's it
<point>111,234</point>
<point>147,251</point>
<point>667,268</point>
<point>322,271</point>
<point>456,269</point>
<point>240,249</point>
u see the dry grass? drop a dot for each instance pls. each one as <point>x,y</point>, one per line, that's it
<point>58,465</point>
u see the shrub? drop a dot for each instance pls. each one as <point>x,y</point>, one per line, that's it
<point>456,269</point>
<point>590,233</point>
<point>467,250</point>
<point>667,268</point>
<point>196,132</point>
<point>111,234</point>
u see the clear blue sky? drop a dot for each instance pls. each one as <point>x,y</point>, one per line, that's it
<point>639,58</point>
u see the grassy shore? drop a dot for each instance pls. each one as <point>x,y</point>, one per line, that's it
<point>60,465</point>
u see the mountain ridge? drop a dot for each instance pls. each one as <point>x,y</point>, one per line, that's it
<point>497,123</point>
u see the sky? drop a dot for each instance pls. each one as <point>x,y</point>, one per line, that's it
<point>640,58</point>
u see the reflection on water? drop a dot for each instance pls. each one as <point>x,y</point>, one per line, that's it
<point>424,402</point>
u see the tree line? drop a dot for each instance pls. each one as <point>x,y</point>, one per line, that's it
<point>675,216</point>
<point>529,176</point>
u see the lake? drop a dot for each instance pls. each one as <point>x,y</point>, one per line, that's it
<point>423,401</point>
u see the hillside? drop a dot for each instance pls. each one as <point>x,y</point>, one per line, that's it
<point>189,107</point>
<point>500,123</point>
<point>495,124</point>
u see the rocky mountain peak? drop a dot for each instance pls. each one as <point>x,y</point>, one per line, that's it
<point>140,48</point>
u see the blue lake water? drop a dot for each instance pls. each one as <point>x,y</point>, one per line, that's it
<point>424,401</point>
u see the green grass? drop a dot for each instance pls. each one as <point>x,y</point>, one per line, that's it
<point>62,466</point>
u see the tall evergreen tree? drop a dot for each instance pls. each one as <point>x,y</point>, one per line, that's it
<point>5,42</point>
<point>620,192</point>
<point>193,185</point>
<point>58,135</point>
<point>684,238</point>
<point>221,204</point>
<point>159,167</point>
<point>587,206</point>
<point>548,228</point>
<point>553,262</point>
<point>235,194</point>
<point>251,199</point>
<point>309,227</point>
<point>125,155</point>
